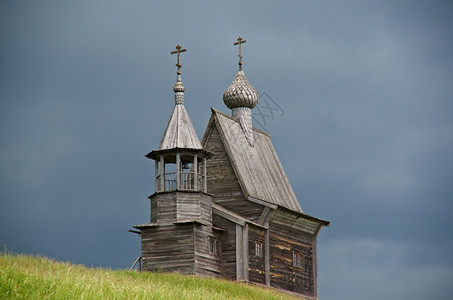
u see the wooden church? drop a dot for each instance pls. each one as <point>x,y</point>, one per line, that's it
<point>224,207</point>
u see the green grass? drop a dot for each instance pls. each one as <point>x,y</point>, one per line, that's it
<point>29,277</point>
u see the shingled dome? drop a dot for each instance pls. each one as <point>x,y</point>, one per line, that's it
<point>240,93</point>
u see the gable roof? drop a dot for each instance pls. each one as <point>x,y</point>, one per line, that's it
<point>257,168</point>
<point>180,132</point>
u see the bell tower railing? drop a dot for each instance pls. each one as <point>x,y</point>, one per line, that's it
<point>190,173</point>
<point>187,181</point>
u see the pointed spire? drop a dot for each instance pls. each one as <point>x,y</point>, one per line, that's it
<point>180,132</point>
<point>179,87</point>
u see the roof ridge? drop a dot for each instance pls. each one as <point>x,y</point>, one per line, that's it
<point>233,119</point>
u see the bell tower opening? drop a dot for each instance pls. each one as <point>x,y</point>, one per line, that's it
<point>180,171</point>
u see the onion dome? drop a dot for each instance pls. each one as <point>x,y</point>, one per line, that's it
<point>240,93</point>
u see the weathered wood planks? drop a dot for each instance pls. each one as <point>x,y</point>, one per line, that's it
<point>257,168</point>
<point>247,225</point>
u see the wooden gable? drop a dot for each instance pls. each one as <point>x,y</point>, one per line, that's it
<point>257,169</point>
<point>223,183</point>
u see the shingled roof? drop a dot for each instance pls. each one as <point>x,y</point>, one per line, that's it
<point>180,132</point>
<point>257,168</point>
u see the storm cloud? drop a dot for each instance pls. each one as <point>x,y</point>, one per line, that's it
<point>362,94</point>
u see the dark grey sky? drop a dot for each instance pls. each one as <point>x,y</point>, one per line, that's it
<point>364,127</point>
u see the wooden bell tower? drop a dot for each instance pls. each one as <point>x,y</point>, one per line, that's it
<point>180,230</point>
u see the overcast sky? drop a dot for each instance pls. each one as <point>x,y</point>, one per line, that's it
<point>362,99</point>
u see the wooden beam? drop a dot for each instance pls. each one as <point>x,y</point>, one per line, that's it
<point>242,253</point>
<point>262,202</point>
<point>239,254</point>
<point>162,173</point>
<point>195,172</point>
<point>231,216</point>
<point>156,174</point>
<point>205,178</point>
<point>267,266</point>
<point>265,216</point>
<point>135,231</point>
<point>245,249</point>
<point>178,170</point>
<point>226,214</point>
<point>315,266</point>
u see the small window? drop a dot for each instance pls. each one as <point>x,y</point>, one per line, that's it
<point>259,248</point>
<point>212,246</point>
<point>298,259</point>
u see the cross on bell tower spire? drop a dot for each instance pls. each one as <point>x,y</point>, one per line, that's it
<point>239,42</point>
<point>179,87</point>
<point>178,63</point>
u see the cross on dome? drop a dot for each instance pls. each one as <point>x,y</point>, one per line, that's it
<point>241,97</point>
<point>239,42</point>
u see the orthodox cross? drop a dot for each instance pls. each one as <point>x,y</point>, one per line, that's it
<point>239,42</point>
<point>178,51</point>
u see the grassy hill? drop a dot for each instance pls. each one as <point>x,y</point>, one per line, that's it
<point>28,277</point>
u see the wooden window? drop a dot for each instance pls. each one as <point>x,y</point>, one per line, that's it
<point>298,259</point>
<point>212,246</point>
<point>259,248</point>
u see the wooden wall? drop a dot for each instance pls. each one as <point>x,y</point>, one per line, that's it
<point>228,245</point>
<point>256,263</point>
<point>179,238</point>
<point>170,207</point>
<point>207,264</point>
<point>194,206</point>
<point>284,239</point>
<point>168,248</point>
<point>181,247</point>
<point>163,208</point>
<point>222,181</point>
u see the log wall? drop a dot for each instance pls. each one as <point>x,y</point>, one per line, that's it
<point>284,239</point>
<point>169,248</point>
<point>222,181</point>
<point>228,245</point>
<point>171,207</point>
<point>256,262</point>
<point>206,263</point>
